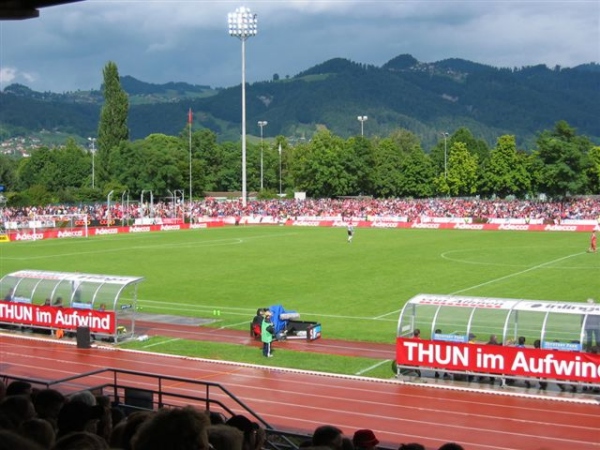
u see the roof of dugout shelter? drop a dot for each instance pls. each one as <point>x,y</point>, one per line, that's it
<point>76,289</point>
<point>557,324</point>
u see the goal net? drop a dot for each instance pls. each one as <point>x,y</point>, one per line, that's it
<point>60,222</point>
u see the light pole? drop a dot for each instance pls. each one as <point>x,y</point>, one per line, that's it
<point>280,169</point>
<point>242,25</point>
<point>93,150</point>
<point>261,124</point>
<point>445,155</point>
<point>362,120</point>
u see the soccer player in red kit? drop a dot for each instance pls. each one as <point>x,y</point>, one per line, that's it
<point>592,248</point>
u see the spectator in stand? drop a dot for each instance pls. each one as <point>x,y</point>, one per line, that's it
<point>365,439</point>
<point>225,437</point>
<point>78,416</point>
<point>39,431</point>
<point>129,428</point>
<point>174,429</point>
<point>105,424</point>
<point>328,436</point>
<point>84,396</point>
<point>247,427</point>
<point>11,440</point>
<point>17,409</point>
<point>411,446</point>
<point>451,446</point>
<point>19,387</point>
<point>81,440</point>
<point>48,403</point>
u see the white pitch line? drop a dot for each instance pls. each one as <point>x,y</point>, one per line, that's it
<point>539,266</point>
<point>374,366</point>
<point>161,343</point>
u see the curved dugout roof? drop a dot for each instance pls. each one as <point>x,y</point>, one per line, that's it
<point>462,318</point>
<point>74,288</point>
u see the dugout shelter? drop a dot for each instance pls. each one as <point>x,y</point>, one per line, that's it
<point>570,328</point>
<point>67,301</point>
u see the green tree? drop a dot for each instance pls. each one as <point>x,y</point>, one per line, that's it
<point>8,172</point>
<point>462,172</point>
<point>564,157</point>
<point>359,162</point>
<point>112,129</point>
<point>594,170</point>
<point>506,171</point>
<point>39,169</point>
<point>321,172</point>
<point>387,178</point>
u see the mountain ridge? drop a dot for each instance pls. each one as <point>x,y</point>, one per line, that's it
<point>425,98</point>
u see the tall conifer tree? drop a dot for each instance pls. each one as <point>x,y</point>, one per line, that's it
<point>112,129</point>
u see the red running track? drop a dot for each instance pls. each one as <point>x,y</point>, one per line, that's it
<point>398,412</point>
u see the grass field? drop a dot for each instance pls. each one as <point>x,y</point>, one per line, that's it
<point>355,291</point>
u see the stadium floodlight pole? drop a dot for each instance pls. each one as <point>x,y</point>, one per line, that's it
<point>190,123</point>
<point>93,150</point>
<point>362,120</point>
<point>280,169</point>
<point>242,25</point>
<point>261,124</point>
<point>109,215</point>
<point>445,155</point>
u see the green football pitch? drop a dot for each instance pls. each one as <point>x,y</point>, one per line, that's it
<point>355,290</point>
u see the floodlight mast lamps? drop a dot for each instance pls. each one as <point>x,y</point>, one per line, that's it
<point>362,120</point>
<point>93,150</point>
<point>261,124</point>
<point>243,25</point>
<point>445,155</point>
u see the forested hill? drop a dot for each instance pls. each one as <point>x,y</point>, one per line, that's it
<point>426,98</point>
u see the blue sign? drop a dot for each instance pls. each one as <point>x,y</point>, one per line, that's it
<point>1,188</point>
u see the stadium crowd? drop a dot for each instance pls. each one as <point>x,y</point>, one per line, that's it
<point>46,419</point>
<point>584,208</point>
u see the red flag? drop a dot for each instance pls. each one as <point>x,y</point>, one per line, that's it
<point>190,116</point>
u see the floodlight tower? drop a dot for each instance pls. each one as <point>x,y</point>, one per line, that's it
<point>362,120</point>
<point>445,155</point>
<point>93,151</point>
<point>243,25</point>
<point>261,124</point>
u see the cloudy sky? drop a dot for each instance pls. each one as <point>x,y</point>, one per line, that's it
<point>158,41</point>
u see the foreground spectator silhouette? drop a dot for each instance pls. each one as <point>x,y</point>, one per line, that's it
<point>328,436</point>
<point>411,446</point>
<point>81,440</point>
<point>11,440</point>
<point>225,437</point>
<point>451,446</point>
<point>365,440</point>
<point>174,429</point>
<point>38,430</point>
<point>48,403</point>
